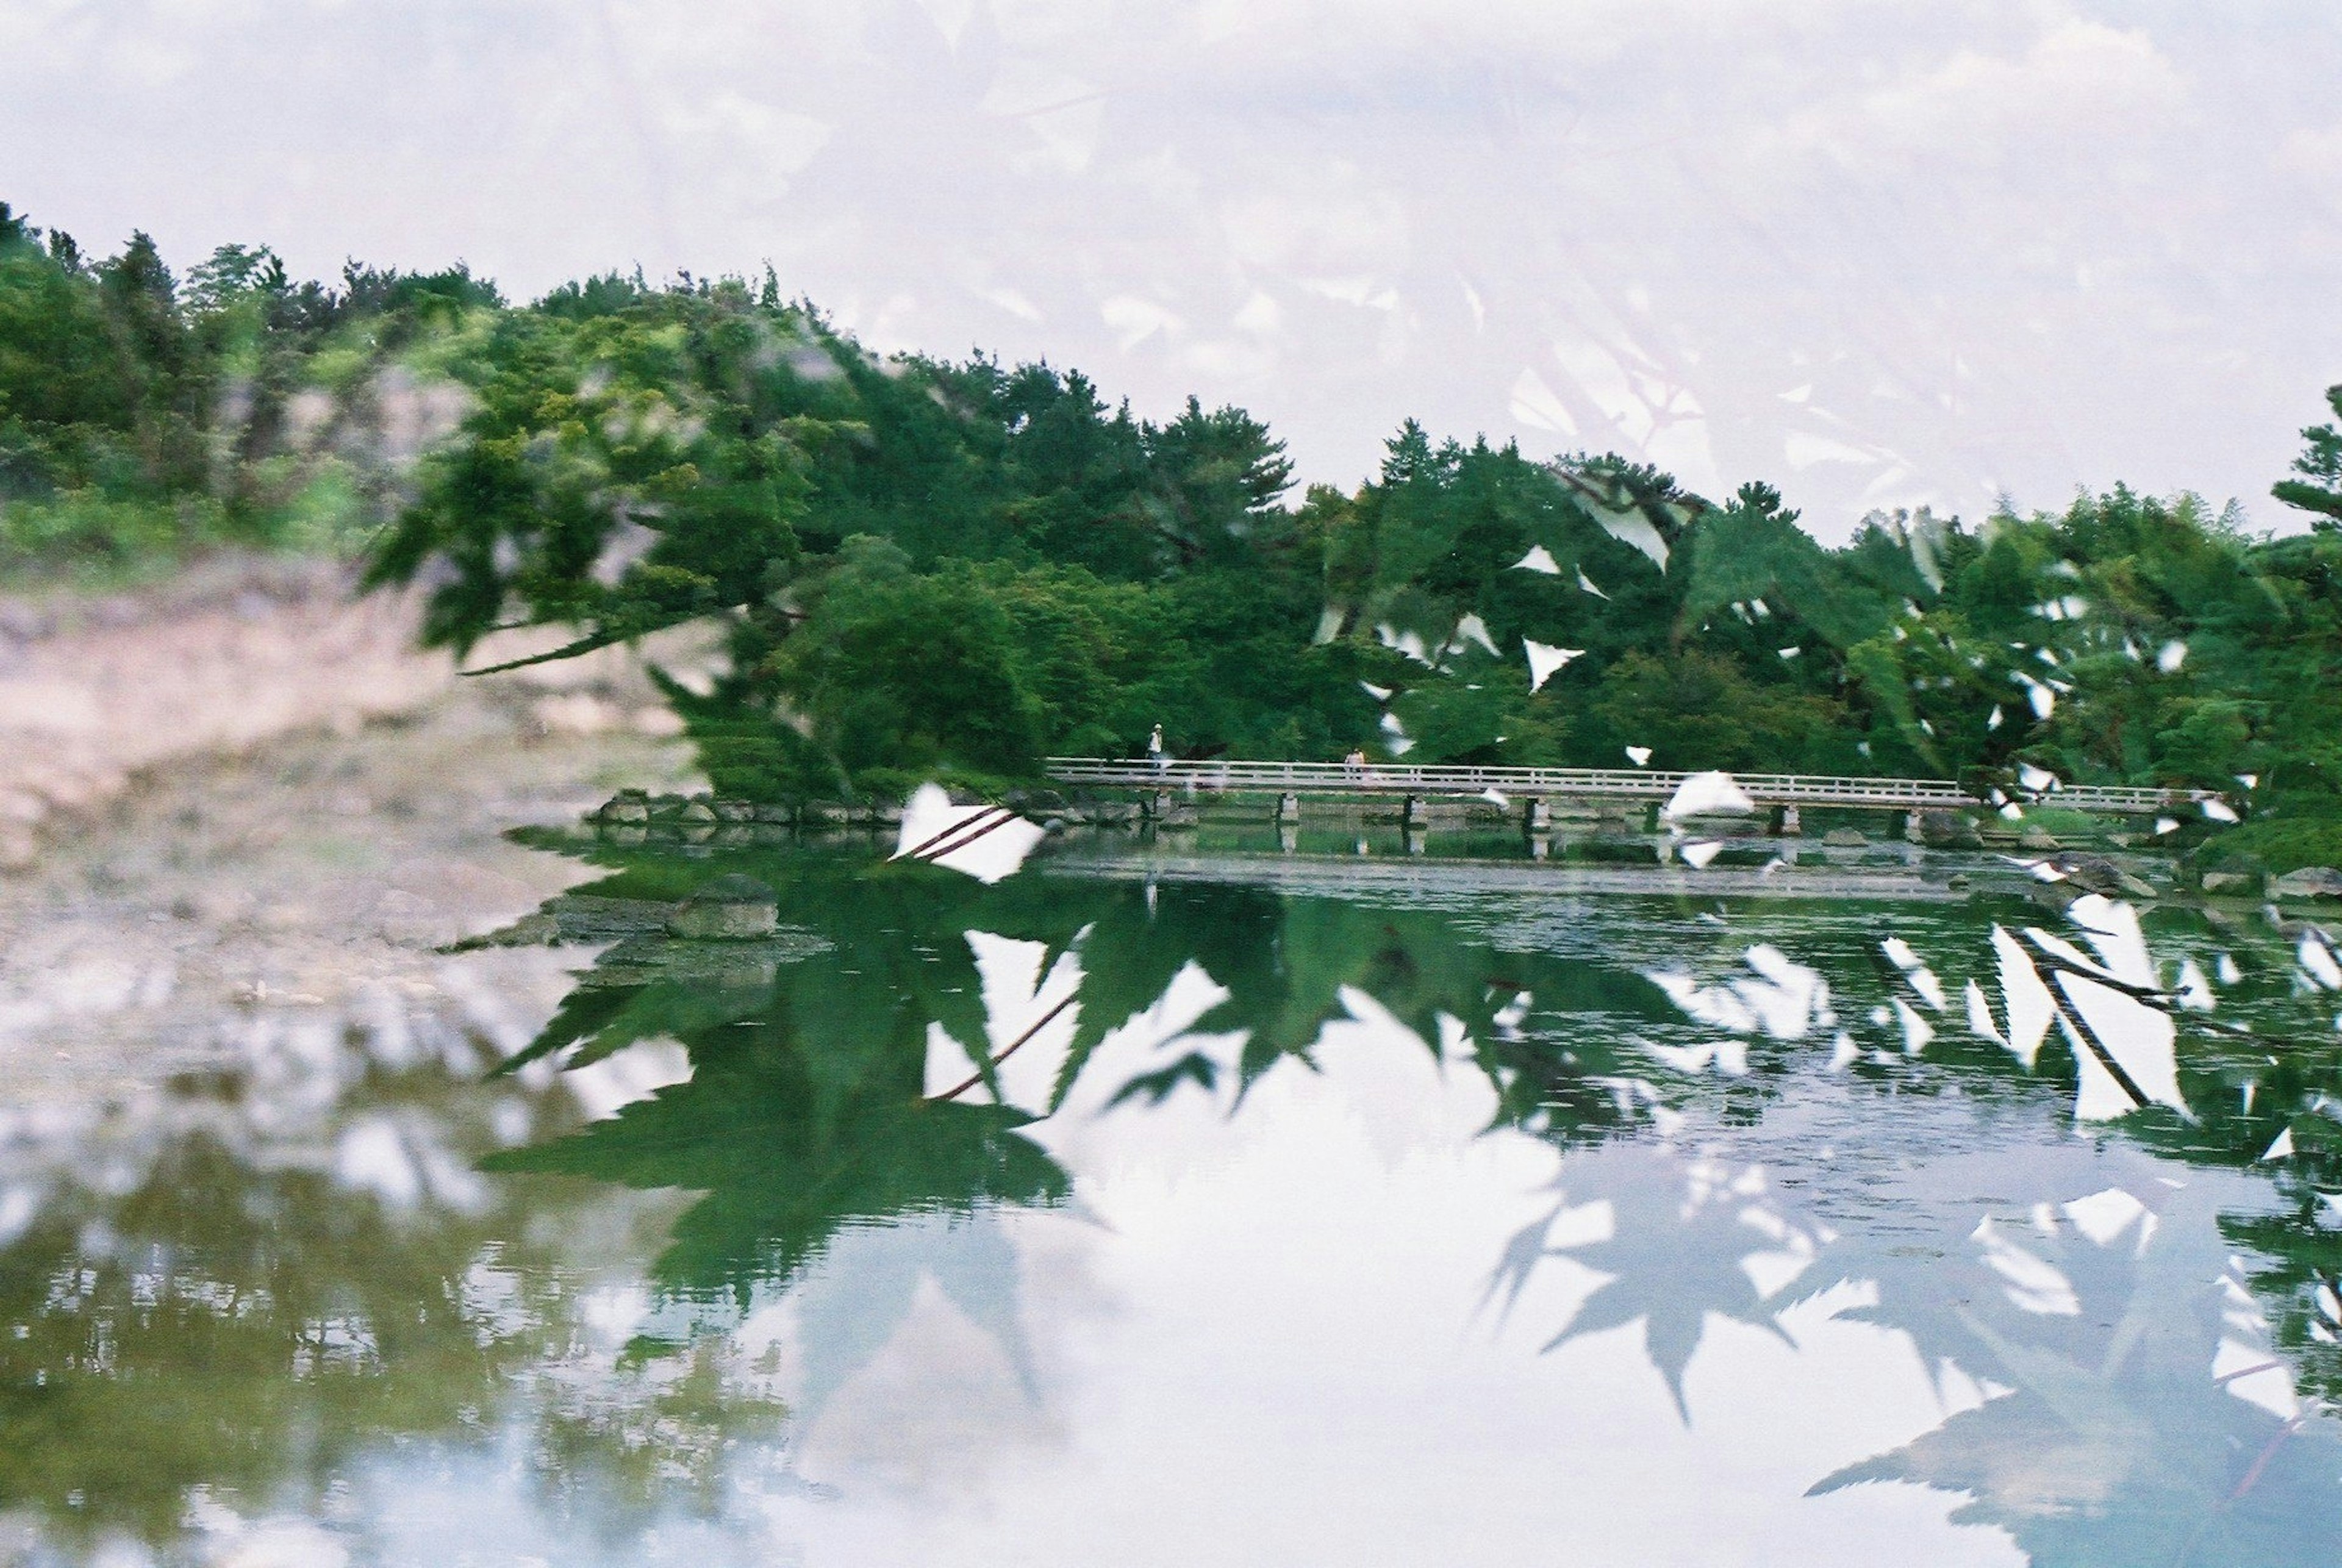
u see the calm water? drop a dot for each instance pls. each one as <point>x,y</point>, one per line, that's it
<point>1225,1208</point>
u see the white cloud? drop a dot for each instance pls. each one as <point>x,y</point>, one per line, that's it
<point>2079,79</point>
<point>1662,211</point>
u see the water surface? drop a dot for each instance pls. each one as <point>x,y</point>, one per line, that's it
<point>1165,1206</point>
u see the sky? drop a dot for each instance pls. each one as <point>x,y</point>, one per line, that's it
<point>1877,254</point>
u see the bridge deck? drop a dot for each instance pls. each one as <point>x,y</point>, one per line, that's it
<point>1598,784</point>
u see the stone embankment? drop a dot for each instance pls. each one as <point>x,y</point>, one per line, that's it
<point>636,817</point>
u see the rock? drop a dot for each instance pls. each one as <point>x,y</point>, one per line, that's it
<point>1846,838</point>
<point>628,805</point>
<point>727,909</point>
<point>2229,882</point>
<point>734,811</point>
<point>2309,882</point>
<point>2037,838</point>
<point>2054,895</point>
<point>2095,874</point>
<point>771,814</point>
<point>697,812</point>
<point>1948,830</point>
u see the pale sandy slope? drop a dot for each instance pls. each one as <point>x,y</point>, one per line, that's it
<point>246,794</point>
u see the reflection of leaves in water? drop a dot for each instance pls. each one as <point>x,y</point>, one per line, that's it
<point>783,1174</point>
<point>2113,1443</point>
<point>802,1124</point>
<point>1683,1234</point>
<point>849,1311</point>
<point>804,1113</point>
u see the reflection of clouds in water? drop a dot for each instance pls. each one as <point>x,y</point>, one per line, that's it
<point>906,1354</point>
<point>1257,1320</point>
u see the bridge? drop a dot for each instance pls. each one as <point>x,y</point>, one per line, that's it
<point>1549,785</point>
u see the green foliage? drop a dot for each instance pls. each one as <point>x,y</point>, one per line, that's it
<point>919,567</point>
<point>144,418</point>
<point>923,567</point>
<point>2285,835</point>
<point>2319,488</point>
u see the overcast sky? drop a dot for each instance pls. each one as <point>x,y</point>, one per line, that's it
<point>1880,255</point>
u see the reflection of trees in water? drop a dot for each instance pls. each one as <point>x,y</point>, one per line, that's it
<point>2090,1296</point>
<point>243,1289</point>
<point>256,1284</point>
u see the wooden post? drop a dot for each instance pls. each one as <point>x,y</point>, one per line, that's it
<point>1791,826</point>
<point>1288,807</point>
<point>1536,816</point>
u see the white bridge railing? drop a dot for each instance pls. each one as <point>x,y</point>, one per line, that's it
<point>1612,784</point>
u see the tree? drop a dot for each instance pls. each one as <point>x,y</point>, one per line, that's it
<point>2319,488</point>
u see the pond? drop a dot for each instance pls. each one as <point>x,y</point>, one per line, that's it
<point>1212,1204</point>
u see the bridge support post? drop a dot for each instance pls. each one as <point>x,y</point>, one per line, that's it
<point>1159,805</point>
<point>1536,816</point>
<point>1410,814</point>
<point>1911,827</point>
<point>1288,807</point>
<point>1786,823</point>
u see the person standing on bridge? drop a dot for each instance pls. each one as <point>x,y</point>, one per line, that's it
<point>1154,752</point>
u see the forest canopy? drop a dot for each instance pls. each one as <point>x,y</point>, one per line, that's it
<point>922,567</point>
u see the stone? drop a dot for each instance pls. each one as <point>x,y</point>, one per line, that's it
<point>729,908</point>
<point>2309,882</point>
<point>1846,838</point>
<point>698,810</point>
<point>1948,830</point>
<point>629,805</point>
<point>772,814</point>
<point>734,811</point>
<point>2037,838</point>
<point>2229,882</point>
